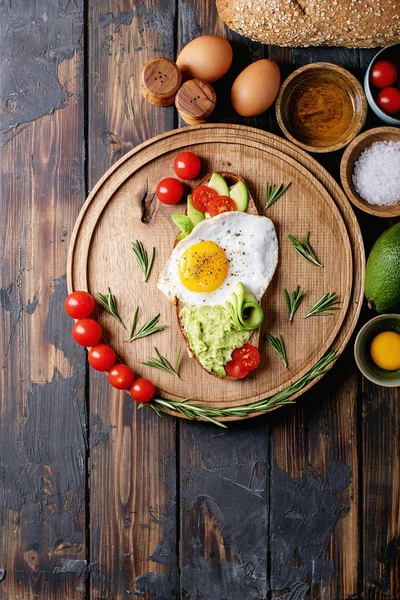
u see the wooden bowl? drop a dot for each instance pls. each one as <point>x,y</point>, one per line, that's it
<point>349,158</point>
<point>321,107</point>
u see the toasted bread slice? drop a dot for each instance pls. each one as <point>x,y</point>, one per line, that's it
<point>231,179</point>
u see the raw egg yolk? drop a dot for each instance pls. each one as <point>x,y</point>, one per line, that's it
<point>203,267</point>
<point>385,350</point>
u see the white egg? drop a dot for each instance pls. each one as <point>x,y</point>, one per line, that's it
<point>250,245</point>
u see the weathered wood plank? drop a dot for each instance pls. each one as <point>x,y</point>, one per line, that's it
<point>133,471</point>
<point>42,405</point>
<point>380,492</point>
<point>314,475</point>
<point>223,474</point>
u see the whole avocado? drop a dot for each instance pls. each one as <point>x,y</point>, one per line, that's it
<point>382,277</point>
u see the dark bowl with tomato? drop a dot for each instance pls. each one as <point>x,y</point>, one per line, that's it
<point>382,84</point>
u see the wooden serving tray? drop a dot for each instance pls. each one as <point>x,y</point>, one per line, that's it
<point>122,207</point>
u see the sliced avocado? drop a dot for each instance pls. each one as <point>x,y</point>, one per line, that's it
<point>240,195</point>
<point>240,292</point>
<point>219,184</point>
<point>184,224</point>
<point>232,312</point>
<point>255,315</point>
<point>194,215</point>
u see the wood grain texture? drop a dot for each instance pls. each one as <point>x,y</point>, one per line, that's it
<point>133,474</point>
<point>306,203</point>
<point>350,157</point>
<point>380,492</point>
<point>43,440</point>
<point>160,80</point>
<point>195,101</point>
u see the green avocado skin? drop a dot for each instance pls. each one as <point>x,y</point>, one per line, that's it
<point>382,276</point>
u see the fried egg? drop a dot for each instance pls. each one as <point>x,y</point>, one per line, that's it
<point>220,252</point>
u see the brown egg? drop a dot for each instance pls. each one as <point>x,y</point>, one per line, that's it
<point>255,88</point>
<point>207,58</point>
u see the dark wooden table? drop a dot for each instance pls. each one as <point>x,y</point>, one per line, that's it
<point>99,500</point>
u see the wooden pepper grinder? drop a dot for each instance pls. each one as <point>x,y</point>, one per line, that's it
<point>195,101</point>
<point>160,81</point>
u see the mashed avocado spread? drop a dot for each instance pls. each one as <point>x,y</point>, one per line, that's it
<point>212,335</point>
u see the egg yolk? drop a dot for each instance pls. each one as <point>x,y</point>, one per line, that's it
<point>385,350</point>
<point>203,267</point>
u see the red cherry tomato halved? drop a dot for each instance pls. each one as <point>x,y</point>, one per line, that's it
<point>187,165</point>
<point>102,357</point>
<point>79,305</point>
<point>87,332</point>
<point>383,74</point>
<point>233,369</point>
<point>202,196</point>
<point>220,205</point>
<point>247,357</point>
<point>142,390</point>
<point>121,376</point>
<point>170,190</point>
<point>389,100</point>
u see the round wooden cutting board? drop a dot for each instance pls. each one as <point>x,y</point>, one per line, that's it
<point>123,207</point>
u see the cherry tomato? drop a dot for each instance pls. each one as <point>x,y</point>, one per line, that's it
<point>247,357</point>
<point>87,332</point>
<point>79,305</point>
<point>102,357</point>
<point>220,205</point>
<point>142,390</point>
<point>202,196</point>
<point>121,376</point>
<point>383,74</point>
<point>170,190</point>
<point>389,100</point>
<point>233,369</point>
<point>187,165</point>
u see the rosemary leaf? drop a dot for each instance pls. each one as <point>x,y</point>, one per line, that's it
<point>305,250</point>
<point>191,410</point>
<point>293,301</point>
<point>273,192</point>
<point>109,302</point>
<point>323,306</point>
<point>134,322</point>
<point>277,344</point>
<point>147,329</point>
<point>163,363</point>
<point>144,261</point>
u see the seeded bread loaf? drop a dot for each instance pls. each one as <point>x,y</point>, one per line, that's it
<point>350,23</point>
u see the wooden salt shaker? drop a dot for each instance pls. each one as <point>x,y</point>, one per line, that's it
<point>195,101</point>
<point>160,80</point>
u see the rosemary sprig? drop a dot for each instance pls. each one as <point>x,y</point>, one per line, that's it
<point>293,300</point>
<point>305,250</point>
<point>321,308</point>
<point>109,302</point>
<point>144,261</point>
<point>191,410</point>
<point>147,329</point>
<point>163,363</point>
<point>277,344</point>
<point>273,192</point>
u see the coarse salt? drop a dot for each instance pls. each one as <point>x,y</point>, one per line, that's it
<point>376,174</point>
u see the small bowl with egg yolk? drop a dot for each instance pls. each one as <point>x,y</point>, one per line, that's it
<point>377,350</point>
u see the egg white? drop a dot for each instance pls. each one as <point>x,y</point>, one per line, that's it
<point>250,245</point>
